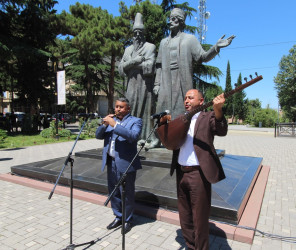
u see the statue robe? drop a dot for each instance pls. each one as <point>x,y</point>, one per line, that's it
<point>174,81</point>
<point>140,80</point>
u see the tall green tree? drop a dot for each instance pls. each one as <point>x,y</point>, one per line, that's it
<point>115,31</point>
<point>229,106</point>
<point>85,24</point>
<point>97,43</point>
<point>58,51</point>
<point>26,31</point>
<point>252,107</point>
<point>207,72</point>
<point>240,108</point>
<point>266,117</point>
<point>211,91</point>
<point>168,5</point>
<point>153,18</point>
<point>286,84</point>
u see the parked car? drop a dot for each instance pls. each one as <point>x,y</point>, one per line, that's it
<point>19,117</point>
<point>2,122</point>
<point>45,118</point>
<point>65,117</point>
<point>47,115</point>
<point>88,115</point>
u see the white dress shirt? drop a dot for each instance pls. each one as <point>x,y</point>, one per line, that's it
<point>187,155</point>
<point>111,150</point>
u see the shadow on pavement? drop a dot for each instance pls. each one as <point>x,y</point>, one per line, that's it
<point>223,244</point>
<point>179,238</point>
<point>5,159</point>
<point>12,149</point>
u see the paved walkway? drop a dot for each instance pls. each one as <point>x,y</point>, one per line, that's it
<point>28,220</point>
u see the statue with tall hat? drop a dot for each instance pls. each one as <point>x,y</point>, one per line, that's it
<point>137,65</point>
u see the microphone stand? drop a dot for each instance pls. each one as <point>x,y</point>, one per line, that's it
<point>122,183</point>
<point>71,160</point>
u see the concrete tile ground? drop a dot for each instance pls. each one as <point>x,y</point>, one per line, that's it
<point>28,220</point>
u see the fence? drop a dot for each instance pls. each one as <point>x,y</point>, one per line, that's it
<point>285,129</point>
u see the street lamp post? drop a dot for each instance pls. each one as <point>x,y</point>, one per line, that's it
<point>232,112</point>
<point>235,85</point>
<point>278,112</point>
<point>252,105</point>
<point>53,66</point>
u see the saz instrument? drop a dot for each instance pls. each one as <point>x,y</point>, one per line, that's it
<point>173,134</point>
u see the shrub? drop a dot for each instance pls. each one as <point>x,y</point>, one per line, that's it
<point>90,127</point>
<point>82,136</point>
<point>51,132</point>
<point>46,133</point>
<point>52,125</point>
<point>266,116</point>
<point>64,133</point>
<point>3,136</point>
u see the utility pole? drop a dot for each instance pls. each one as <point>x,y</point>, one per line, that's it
<point>203,16</point>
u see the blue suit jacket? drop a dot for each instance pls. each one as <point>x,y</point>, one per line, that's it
<point>126,137</point>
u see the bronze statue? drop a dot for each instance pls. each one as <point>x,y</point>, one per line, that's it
<point>138,64</point>
<point>174,65</point>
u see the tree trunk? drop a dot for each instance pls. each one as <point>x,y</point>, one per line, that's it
<point>89,96</point>
<point>111,85</point>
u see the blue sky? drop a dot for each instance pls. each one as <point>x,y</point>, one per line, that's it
<point>264,30</point>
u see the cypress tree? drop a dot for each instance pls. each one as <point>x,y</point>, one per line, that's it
<point>228,107</point>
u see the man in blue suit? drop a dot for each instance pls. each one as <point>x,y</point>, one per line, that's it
<point>120,132</point>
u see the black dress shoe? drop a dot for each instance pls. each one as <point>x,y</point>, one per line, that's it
<point>127,227</point>
<point>114,224</point>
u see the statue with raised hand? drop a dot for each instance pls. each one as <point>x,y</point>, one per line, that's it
<point>174,65</point>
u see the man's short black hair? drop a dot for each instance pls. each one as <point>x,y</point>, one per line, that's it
<point>202,95</point>
<point>123,99</point>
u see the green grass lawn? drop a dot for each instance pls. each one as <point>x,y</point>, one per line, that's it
<point>17,140</point>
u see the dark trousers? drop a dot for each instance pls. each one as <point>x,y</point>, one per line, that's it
<point>194,204</point>
<point>113,176</point>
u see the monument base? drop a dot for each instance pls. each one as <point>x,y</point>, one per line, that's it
<point>154,185</point>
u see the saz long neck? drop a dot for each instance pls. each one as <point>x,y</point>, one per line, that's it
<point>190,114</point>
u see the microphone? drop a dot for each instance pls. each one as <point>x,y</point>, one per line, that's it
<point>159,115</point>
